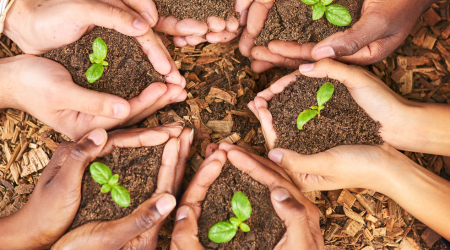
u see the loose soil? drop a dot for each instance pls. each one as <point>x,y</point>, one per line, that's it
<point>266,227</point>
<point>138,170</point>
<point>342,122</point>
<point>129,71</point>
<point>291,20</point>
<point>197,9</point>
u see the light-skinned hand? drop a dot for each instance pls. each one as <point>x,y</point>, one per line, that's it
<point>54,202</point>
<point>45,89</point>
<point>299,214</point>
<point>383,26</point>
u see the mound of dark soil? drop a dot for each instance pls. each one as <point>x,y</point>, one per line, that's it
<point>197,9</point>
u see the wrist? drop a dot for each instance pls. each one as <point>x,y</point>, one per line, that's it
<point>13,23</point>
<point>5,84</point>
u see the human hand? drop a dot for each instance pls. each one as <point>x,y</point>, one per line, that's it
<point>45,89</point>
<point>215,30</point>
<point>138,230</point>
<point>300,215</point>
<point>57,194</point>
<point>383,26</point>
<point>39,26</point>
<point>397,116</point>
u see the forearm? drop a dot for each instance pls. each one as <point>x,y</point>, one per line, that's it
<point>15,234</point>
<point>5,83</point>
<point>420,192</point>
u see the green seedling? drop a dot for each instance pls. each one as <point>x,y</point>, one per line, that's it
<point>335,13</point>
<point>103,176</point>
<point>323,95</point>
<point>224,231</point>
<point>97,58</point>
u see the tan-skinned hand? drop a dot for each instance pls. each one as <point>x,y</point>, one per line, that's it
<point>57,195</point>
<point>140,229</point>
<point>45,89</point>
<point>299,214</point>
<point>39,26</point>
<point>383,26</point>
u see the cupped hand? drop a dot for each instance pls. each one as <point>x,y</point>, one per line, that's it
<point>39,26</point>
<point>383,26</point>
<point>140,229</point>
<point>54,202</point>
<point>383,105</point>
<point>300,215</point>
<point>45,89</point>
<point>214,30</point>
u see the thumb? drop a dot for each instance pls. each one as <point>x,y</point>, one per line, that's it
<point>291,161</point>
<point>368,29</point>
<point>185,232</point>
<point>93,103</point>
<point>148,215</point>
<point>295,217</point>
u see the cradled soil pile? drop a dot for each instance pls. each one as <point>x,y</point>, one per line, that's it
<point>291,20</point>
<point>129,71</point>
<point>342,122</point>
<point>197,9</point>
<point>138,172</point>
<point>266,227</point>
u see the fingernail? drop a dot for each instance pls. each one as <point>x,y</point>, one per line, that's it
<point>166,204</point>
<point>147,17</point>
<point>276,156</point>
<point>97,136</point>
<point>306,67</point>
<point>324,52</point>
<point>243,19</point>
<point>178,98</point>
<point>281,194</point>
<point>182,213</point>
<point>139,24</point>
<point>120,110</point>
<point>191,135</point>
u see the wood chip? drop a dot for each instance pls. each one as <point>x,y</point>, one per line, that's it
<point>352,227</point>
<point>346,198</point>
<point>430,237</point>
<point>228,96</point>
<point>220,126</point>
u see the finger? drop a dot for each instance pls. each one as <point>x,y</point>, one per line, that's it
<point>207,173</point>
<point>92,102</point>
<point>295,217</point>
<point>112,17</point>
<point>147,98</point>
<point>278,86</point>
<point>194,40</point>
<point>210,149</point>
<point>155,52</point>
<point>265,117</point>
<point>257,15</point>
<point>264,54</point>
<point>221,37</point>
<point>292,49</point>
<point>261,66</point>
<point>148,215</point>
<point>243,19</point>
<point>167,171</point>
<point>246,43</point>
<point>294,162</point>
<point>174,76</point>
<point>242,5</point>
<point>187,27</point>
<point>232,24</point>
<point>185,231</point>
<point>252,107</point>
<point>179,41</point>
<point>81,154</point>
<point>147,9</point>
<point>368,29</point>
<point>216,24</point>
<point>186,139</point>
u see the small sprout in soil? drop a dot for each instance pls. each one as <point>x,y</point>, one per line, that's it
<point>323,95</point>
<point>97,58</point>
<point>224,231</point>
<point>102,175</point>
<point>335,13</point>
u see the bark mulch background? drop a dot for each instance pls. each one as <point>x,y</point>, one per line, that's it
<point>220,84</point>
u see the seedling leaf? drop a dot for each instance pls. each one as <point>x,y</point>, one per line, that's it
<point>310,2</point>
<point>121,196</point>
<point>94,72</point>
<point>114,179</point>
<point>304,117</point>
<point>92,58</point>
<point>222,232</point>
<point>338,15</point>
<point>314,107</point>
<point>324,93</point>
<point>326,2</point>
<point>235,221</point>
<point>241,206</point>
<point>100,172</point>
<point>244,227</point>
<point>100,49</point>
<point>318,11</point>
<point>106,188</point>
<point>105,63</point>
